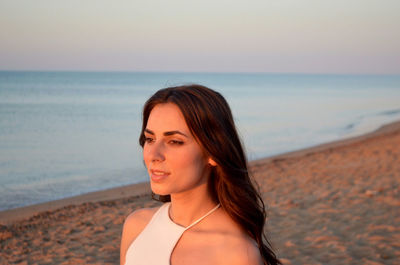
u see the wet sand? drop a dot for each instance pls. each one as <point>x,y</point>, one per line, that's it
<point>337,203</point>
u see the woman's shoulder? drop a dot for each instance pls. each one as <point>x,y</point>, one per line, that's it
<point>133,226</point>
<point>227,243</point>
<point>242,250</point>
<point>140,216</point>
<point>236,248</point>
<point>136,221</point>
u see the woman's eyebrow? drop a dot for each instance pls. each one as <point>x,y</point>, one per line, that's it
<point>174,132</point>
<point>169,133</point>
<point>148,131</point>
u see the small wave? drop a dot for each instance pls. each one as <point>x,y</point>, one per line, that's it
<point>390,112</point>
<point>350,126</point>
<point>371,122</point>
<point>364,118</point>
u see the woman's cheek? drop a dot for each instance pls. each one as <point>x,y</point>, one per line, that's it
<point>146,156</point>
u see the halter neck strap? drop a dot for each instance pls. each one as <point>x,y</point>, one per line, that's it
<point>204,216</point>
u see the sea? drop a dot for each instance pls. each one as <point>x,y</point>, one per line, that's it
<point>68,133</point>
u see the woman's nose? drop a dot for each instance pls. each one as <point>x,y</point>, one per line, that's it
<point>156,152</point>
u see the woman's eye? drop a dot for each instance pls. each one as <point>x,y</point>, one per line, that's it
<point>176,142</point>
<point>148,140</point>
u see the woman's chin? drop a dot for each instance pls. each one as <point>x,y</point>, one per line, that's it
<point>158,190</point>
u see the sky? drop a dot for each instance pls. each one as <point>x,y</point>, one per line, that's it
<point>277,36</point>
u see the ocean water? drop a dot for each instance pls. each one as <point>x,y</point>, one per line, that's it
<point>68,133</point>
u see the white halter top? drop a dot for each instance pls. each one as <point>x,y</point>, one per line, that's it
<point>154,245</point>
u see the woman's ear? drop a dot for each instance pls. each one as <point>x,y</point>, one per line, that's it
<point>211,162</point>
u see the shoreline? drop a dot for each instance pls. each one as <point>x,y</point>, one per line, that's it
<point>21,213</point>
<point>384,130</point>
<point>10,216</point>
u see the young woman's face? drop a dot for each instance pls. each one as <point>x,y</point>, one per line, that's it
<point>174,159</point>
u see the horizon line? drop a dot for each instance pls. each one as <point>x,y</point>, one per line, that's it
<point>196,72</point>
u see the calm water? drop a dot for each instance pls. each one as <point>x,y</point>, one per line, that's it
<point>68,133</point>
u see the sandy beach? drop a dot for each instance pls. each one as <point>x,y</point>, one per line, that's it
<point>337,203</point>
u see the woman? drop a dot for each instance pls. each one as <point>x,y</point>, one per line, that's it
<point>196,163</point>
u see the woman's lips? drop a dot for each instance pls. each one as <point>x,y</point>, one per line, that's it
<point>158,175</point>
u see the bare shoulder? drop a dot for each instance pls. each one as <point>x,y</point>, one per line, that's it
<point>133,226</point>
<point>238,245</point>
<point>136,222</point>
<point>241,250</point>
<point>223,242</point>
<point>139,217</point>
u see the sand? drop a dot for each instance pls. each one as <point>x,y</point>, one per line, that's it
<point>337,203</point>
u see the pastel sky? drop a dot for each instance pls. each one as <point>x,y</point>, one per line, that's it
<point>301,36</point>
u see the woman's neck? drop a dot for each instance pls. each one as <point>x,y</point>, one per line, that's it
<point>187,207</point>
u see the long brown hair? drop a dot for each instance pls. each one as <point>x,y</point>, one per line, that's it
<point>210,120</point>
